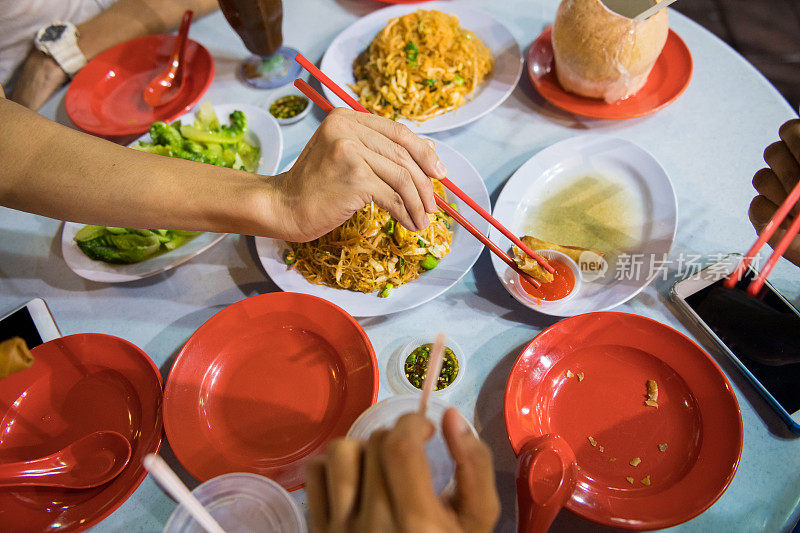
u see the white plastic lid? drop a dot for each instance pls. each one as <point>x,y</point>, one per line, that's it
<point>242,503</point>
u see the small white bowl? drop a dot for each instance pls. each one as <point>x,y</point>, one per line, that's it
<point>297,118</point>
<point>548,306</point>
<point>396,368</point>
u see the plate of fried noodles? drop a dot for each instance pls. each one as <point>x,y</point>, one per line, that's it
<point>371,265</point>
<point>433,66</point>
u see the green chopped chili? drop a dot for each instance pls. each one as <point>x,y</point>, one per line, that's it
<point>390,227</point>
<point>458,80</point>
<point>289,258</point>
<point>288,106</point>
<point>454,206</point>
<point>421,243</point>
<point>402,264</point>
<point>385,291</point>
<point>416,367</point>
<point>429,263</point>
<point>412,52</point>
<point>430,82</point>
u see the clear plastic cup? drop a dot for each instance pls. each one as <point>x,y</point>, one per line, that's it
<point>384,414</point>
<point>242,503</point>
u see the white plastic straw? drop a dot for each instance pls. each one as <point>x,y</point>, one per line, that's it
<point>175,487</point>
<point>647,13</point>
<point>434,369</point>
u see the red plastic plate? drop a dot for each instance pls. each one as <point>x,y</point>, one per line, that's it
<point>265,384</point>
<point>77,385</point>
<point>697,417</point>
<point>105,97</point>
<point>669,78</point>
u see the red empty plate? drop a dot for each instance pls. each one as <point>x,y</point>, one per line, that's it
<point>697,417</point>
<point>77,385</point>
<point>105,97</point>
<point>667,81</point>
<point>265,384</point>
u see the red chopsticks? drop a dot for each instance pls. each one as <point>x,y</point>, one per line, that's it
<point>327,82</point>
<point>328,107</point>
<point>769,230</point>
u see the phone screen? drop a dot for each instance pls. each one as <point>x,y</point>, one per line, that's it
<point>764,334</point>
<point>20,324</point>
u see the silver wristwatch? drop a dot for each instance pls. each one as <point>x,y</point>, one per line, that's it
<point>59,40</point>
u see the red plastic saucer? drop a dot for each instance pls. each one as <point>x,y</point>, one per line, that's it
<point>105,97</point>
<point>697,417</point>
<point>77,385</point>
<point>669,78</point>
<point>265,384</point>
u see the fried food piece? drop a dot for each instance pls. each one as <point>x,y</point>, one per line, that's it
<point>652,393</point>
<point>530,266</point>
<point>646,480</point>
<point>652,390</point>
<point>635,461</point>
<point>630,480</point>
<point>662,447</point>
<point>14,356</point>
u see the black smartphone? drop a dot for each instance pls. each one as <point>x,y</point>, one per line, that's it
<point>761,335</point>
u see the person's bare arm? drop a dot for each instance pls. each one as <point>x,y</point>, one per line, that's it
<point>126,19</point>
<point>58,172</point>
<point>351,160</point>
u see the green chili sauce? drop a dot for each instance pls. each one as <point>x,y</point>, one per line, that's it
<point>288,106</point>
<point>416,367</point>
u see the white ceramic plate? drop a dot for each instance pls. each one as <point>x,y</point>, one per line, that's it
<point>337,63</point>
<point>263,131</point>
<point>463,254</point>
<point>644,181</point>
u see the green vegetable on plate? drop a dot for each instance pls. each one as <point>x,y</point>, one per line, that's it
<point>412,52</point>
<point>204,141</point>
<point>429,263</point>
<point>125,246</point>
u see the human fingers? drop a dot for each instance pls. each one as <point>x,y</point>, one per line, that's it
<point>783,163</point>
<point>399,154</point>
<point>316,494</point>
<point>761,211</point>
<point>422,151</point>
<point>375,511</point>
<point>342,479</point>
<point>769,186</point>
<point>398,178</point>
<point>408,476</point>
<point>476,502</point>
<point>790,134</point>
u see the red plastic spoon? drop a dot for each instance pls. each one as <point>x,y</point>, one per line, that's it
<point>165,87</point>
<point>546,473</point>
<point>88,462</point>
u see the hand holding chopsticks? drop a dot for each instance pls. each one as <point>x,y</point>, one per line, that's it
<point>441,202</point>
<point>779,188</point>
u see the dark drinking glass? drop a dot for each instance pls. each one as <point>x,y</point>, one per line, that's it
<point>258,23</point>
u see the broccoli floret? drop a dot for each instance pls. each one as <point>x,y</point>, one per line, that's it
<point>225,135</point>
<point>165,135</point>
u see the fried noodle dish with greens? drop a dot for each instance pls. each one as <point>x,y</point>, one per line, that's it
<point>372,252</point>
<point>419,66</point>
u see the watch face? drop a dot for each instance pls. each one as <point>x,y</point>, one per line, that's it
<point>53,33</point>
